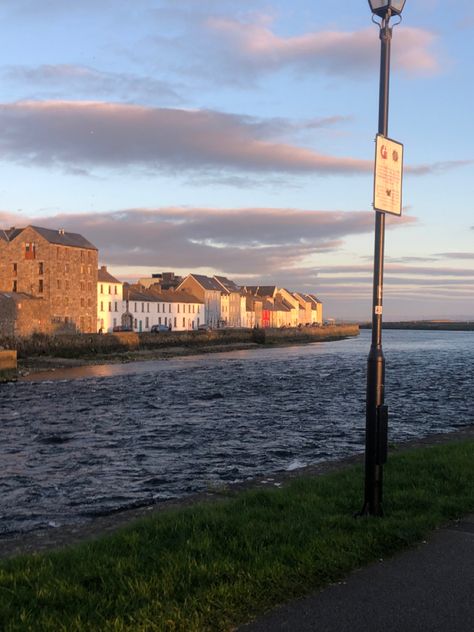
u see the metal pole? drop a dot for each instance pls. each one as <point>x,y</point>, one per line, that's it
<point>376,411</point>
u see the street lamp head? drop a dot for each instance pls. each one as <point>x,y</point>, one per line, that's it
<point>382,7</point>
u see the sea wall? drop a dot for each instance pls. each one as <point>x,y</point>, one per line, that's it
<point>80,345</point>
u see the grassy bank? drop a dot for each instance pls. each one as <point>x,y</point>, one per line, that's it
<point>212,566</point>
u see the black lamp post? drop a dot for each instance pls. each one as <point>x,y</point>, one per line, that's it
<point>376,411</point>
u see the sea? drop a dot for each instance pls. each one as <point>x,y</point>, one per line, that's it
<point>79,443</point>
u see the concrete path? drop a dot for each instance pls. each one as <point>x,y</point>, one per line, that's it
<point>427,589</point>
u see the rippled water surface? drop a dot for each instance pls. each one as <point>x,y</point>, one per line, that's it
<point>97,439</point>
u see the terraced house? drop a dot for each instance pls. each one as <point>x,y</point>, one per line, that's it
<point>56,266</point>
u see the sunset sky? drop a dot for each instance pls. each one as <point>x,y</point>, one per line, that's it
<point>235,137</point>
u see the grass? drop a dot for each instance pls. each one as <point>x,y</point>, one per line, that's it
<point>213,566</point>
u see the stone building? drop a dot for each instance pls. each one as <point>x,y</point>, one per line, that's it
<point>22,315</point>
<point>56,266</point>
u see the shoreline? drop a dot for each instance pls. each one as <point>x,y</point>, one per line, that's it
<point>47,540</point>
<point>36,364</point>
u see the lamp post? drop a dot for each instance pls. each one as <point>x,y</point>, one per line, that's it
<point>376,411</point>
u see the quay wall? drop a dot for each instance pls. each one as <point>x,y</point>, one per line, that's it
<point>83,345</point>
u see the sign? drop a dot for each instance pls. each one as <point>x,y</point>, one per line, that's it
<point>388,175</point>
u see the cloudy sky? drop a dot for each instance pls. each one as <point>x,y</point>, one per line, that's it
<point>236,137</point>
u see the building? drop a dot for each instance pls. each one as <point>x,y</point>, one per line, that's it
<point>208,291</point>
<point>56,266</point>
<point>110,303</point>
<point>233,303</point>
<point>312,309</point>
<point>176,309</point>
<point>166,280</point>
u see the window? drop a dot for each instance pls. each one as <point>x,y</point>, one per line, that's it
<point>115,289</point>
<point>58,284</point>
<point>40,286</point>
<point>15,269</point>
<point>110,289</point>
<point>110,306</point>
<point>184,322</point>
<point>82,255</point>
<point>89,286</point>
<point>147,322</point>
<point>82,269</point>
<point>83,286</point>
<point>82,302</point>
<point>101,288</point>
<point>89,303</point>
<point>175,319</point>
<point>14,286</point>
<point>67,284</point>
<point>159,320</point>
<point>169,307</point>
<point>89,270</point>
<point>41,268</point>
<point>66,268</point>
<point>148,307</point>
<point>101,306</point>
<point>193,309</point>
<point>116,306</point>
<point>143,307</point>
<point>30,250</point>
<point>135,323</point>
<point>178,308</point>
<point>166,320</point>
<point>135,307</point>
<point>115,322</point>
<point>158,308</point>
<point>199,310</point>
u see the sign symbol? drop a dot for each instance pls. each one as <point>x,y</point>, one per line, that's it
<point>389,192</point>
<point>395,155</point>
<point>383,152</point>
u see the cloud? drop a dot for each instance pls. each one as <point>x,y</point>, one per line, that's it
<point>250,241</point>
<point>75,135</point>
<point>253,46</point>
<point>436,167</point>
<point>61,79</point>
<point>456,255</point>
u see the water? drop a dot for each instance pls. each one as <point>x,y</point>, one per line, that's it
<point>89,441</point>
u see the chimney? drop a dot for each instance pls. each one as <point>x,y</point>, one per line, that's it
<point>103,268</point>
<point>61,231</point>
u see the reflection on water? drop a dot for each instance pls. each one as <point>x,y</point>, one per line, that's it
<point>91,440</point>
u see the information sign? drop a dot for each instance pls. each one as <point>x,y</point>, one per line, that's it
<point>388,175</point>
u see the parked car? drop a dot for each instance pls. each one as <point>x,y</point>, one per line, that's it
<point>157,329</point>
<point>204,327</point>
<point>122,328</point>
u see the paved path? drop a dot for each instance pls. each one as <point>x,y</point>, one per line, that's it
<point>427,589</point>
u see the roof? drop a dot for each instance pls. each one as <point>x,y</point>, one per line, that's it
<point>207,283</point>
<point>154,294</point>
<point>262,290</point>
<point>229,285</point>
<point>60,237</point>
<point>103,276</point>
<point>172,296</point>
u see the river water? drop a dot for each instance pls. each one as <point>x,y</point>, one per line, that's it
<point>85,442</point>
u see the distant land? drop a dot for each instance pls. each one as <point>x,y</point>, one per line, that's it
<point>435,325</point>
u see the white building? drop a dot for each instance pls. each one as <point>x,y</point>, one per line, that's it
<point>175,309</point>
<point>110,303</point>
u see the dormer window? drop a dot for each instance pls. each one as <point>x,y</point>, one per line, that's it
<point>30,250</point>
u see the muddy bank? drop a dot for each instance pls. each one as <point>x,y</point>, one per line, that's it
<point>42,353</point>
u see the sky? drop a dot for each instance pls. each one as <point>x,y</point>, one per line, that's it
<point>236,137</point>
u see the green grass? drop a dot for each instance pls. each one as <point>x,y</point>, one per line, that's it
<point>213,566</point>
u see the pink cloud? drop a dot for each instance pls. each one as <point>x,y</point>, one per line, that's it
<point>333,52</point>
<point>85,134</point>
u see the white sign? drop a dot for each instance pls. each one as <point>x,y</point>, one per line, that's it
<point>388,175</point>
